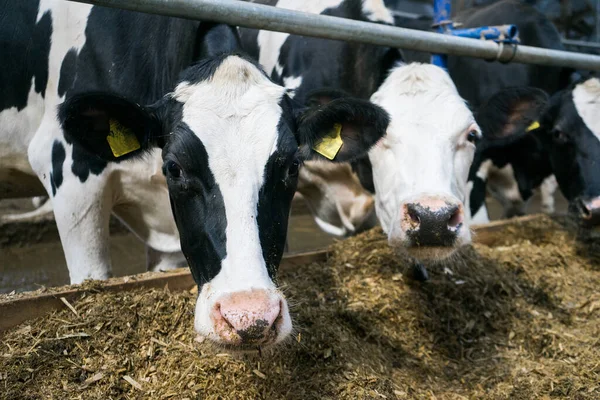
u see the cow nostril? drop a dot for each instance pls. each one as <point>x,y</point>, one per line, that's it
<point>414,217</point>
<point>456,218</point>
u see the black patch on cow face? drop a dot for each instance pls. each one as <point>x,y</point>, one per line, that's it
<point>478,192</point>
<point>573,149</point>
<point>24,52</point>
<point>67,72</point>
<point>197,203</point>
<point>85,163</point>
<point>275,197</point>
<point>58,158</point>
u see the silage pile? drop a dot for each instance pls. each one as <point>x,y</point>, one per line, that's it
<point>515,321</point>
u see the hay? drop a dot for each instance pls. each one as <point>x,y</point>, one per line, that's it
<point>516,321</point>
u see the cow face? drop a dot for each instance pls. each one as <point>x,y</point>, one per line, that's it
<point>420,167</point>
<point>571,127</point>
<point>232,144</point>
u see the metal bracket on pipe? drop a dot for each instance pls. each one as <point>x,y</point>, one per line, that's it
<point>506,52</point>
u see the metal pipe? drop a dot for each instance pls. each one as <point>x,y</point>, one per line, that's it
<point>257,16</point>
<point>581,43</point>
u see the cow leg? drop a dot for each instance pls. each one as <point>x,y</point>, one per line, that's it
<point>547,189</point>
<point>82,203</point>
<point>82,213</point>
<point>43,209</point>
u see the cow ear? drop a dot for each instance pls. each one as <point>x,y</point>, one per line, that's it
<point>109,126</point>
<point>342,130</point>
<point>510,114</point>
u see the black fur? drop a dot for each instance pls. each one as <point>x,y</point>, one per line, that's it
<point>24,52</point>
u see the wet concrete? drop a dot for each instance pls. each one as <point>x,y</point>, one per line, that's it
<point>34,258</point>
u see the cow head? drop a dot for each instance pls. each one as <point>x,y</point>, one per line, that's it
<point>336,199</point>
<point>232,143</point>
<point>420,167</point>
<point>560,136</point>
<point>571,135</point>
<point>510,157</point>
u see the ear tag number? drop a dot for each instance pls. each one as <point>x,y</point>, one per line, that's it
<point>121,140</point>
<point>534,125</point>
<point>331,143</point>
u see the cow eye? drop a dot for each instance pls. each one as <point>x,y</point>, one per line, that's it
<point>173,170</point>
<point>473,136</point>
<point>294,168</point>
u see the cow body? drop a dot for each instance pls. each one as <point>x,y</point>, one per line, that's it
<point>217,144</point>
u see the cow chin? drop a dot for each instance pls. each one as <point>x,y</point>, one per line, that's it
<point>242,321</point>
<point>432,253</point>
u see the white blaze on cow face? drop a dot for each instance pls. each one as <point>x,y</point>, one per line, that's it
<point>586,98</point>
<point>420,168</point>
<point>237,122</point>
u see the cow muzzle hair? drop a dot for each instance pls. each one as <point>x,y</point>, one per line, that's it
<point>431,227</point>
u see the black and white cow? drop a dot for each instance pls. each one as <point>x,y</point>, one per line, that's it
<point>216,144</point>
<point>572,127</point>
<point>569,135</point>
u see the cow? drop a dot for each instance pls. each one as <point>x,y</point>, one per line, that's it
<point>163,121</point>
<point>512,176</point>
<point>568,130</point>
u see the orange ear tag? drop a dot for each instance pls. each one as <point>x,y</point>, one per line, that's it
<point>534,125</point>
<point>121,140</point>
<point>330,144</point>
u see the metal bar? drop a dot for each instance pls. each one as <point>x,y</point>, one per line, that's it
<point>257,16</point>
<point>581,43</point>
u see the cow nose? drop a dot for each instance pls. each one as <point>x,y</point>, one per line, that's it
<point>588,210</point>
<point>432,221</point>
<point>248,318</point>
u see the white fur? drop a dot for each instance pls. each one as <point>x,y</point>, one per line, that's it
<point>292,83</point>
<point>377,11</point>
<point>236,119</point>
<point>425,151</point>
<point>586,97</point>
<point>547,190</point>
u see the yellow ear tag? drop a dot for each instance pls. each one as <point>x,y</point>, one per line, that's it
<point>331,143</point>
<point>534,125</point>
<point>121,140</point>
